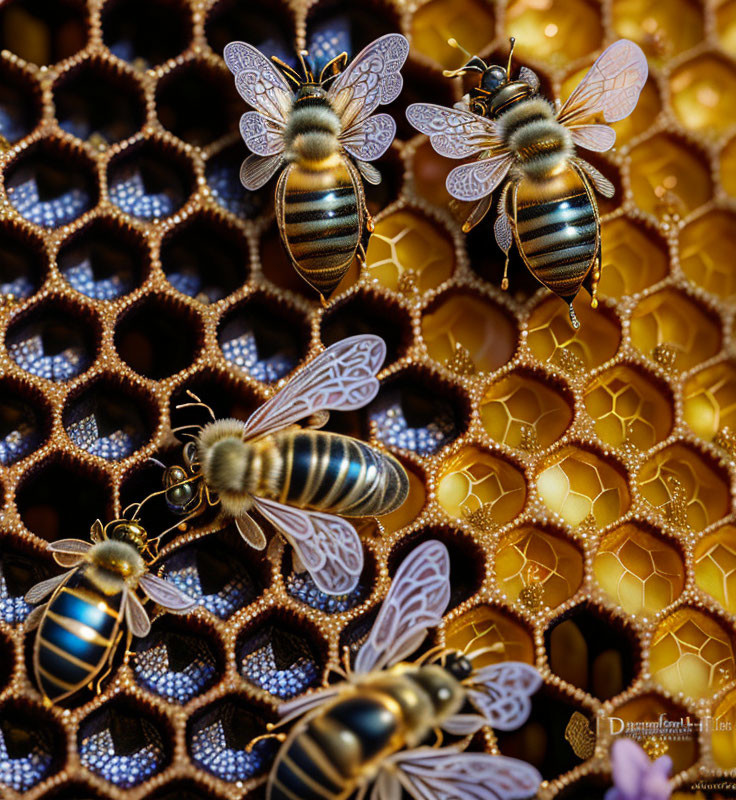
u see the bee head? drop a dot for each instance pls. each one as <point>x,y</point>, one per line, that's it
<point>493,77</point>
<point>128,531</point>
<point>458,665</point>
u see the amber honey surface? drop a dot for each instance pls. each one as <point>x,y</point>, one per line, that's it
<point>582,480</point>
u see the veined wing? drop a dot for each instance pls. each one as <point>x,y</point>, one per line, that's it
<point>611,87</point>
<point>37,593</point>
<point>453,132</point>
<point>371,138</point>
<point>340,378</point>
<point>598,138</point>
<point>479,178</point>
<point>328,546</point>
<point>501,693</point>
<point>415,602</point>
<point>261,136</point>
<point>257,171</point>
<point>371,79</point>
<point>69,552</point>
<point>166,594</point>
<point>258,81</point>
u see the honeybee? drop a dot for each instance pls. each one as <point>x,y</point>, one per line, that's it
<point>547,206</point>
<point>81,626</point>
<point>298,478</point>
<point>323,130</point>
<point>370,728</point>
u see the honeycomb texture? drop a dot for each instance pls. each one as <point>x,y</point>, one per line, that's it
<point>583,481</point>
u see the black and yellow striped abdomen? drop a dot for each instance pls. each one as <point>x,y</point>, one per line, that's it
<point>77,631</point>
<point>335,473</point>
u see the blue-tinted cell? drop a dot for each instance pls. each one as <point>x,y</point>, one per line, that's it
<point>123,750</point>
<point>82,278</point>
<point>130,192</point>
<point>20,287</point>
<point>239,346</point>
<point>30,351</point>
<point>223,176</point>
<point>28,763</point>
<point>189,282</point>
<point>302,586</point>
<point>174,666</point>
<point>278,661</point>
<point>12,123</point>
<point>394,430</point>
<point>20,431</point>
<point>92,428</point>
<point>329,39</point>
<point>17,574</point>
<point>49,209</point>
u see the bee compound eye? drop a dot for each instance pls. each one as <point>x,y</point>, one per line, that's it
<point>493,77</point>
<point>178,497</point>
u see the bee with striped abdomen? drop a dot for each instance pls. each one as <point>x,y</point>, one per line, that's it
<point>547,205</point>
<point>370,728</point>
<point>323,133</point>
<point>81,626</point>
<point>299,479</point>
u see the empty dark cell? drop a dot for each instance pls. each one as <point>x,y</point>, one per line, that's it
<point>23,424</point>
<point>268,26</point>
<point>183,790</point>
<point>19,571</point>
<point>22,263</point>
<point>95,99</point>
<point>32,744</point>
<point>42,32</point>
<point>383,194</point>
<point>60,500</point>
<point>7,659</point>
<point>223,177</point>
<point>166,33</point>
<point>225,395</point>
<point>73,791</point>
<point>20,106</point>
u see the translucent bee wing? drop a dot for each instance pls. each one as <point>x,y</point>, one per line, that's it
<point>371,79</point>
<point>37,593</point>
<point>386,787</point>
<point>69,552</point>
<point>415,602</point>
<point>463,724</point>
<point>258,81</point>
<point>453,132</point>
<point>261,136</point>
<point>529,76</point>
<point>257,171</point>
<point>135,616</point>
<point>251,531</point>
<point>598,138</point>
<point>446,772</point>
<point>341,378</point>
<point>300,705</point>
<point>611,87</point>
<point>502,231</point>
<point>369,172</point>
<point>328,546</point>
<point>501,693</point>
<point>600,181</point>
<point>166,594</point>
<point>33,620</point>
<point>370,140</point>
<point>479,178</point>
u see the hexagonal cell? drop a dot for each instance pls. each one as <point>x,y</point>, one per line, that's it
<point>663,30</point>
<point>482,488</point>
<point>99,102</point>
<point>54,341</point>
<point>633,258</point>
<point>709,400</point>
<point>411,507</point>
<point>671,318</point>
<point>639,570</point>
<point>703,93</point>
<point>183,789</point>
<point>51,184</point>
<point>168,30</point>
<point>502,636</point>
<point>206,257</point>
<point>531,556</point>
<point>526,411</point>
<point>158,337</point>
<point>24,421</point>
<point>558,31</point>
<point>409,252</point>
<point>20,569</point>
<point>23,261</point>
<point>218,737</point>
<point>60,499</point>
<point>471,22</point>
<point>20,103</point>
<point>264,338</point>
<point>417,412</point>
<point>122,744</point>
<point>553,339</point>
<point>279,657</point>
<point>176,662</point>
<point>43,33</point>
<point>705,244</point>
<point>104,260</point>
<point>222,173</point>
<point>110,418</point>
<point>669,176</point>
<point>629,406</point>
<point>594,653</point>
<point>198,103</point>
<point>722,740</point>
<point>468,333</point>
<point>714,560</point>
<point>692,653</point>
<point>685,486</point>
<point>266,25</point>
<point>31,746</point>
<point>642,117</point>
<point>150,180</point>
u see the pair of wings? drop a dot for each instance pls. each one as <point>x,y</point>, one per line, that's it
<point>370,80</point>
<point>341,378</point>
<point>416,602</point>
<point>609,90</point>
<point>71,552</point>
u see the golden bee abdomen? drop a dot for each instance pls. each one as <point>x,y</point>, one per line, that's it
<point>321,226</point>
<point>335,473</point>
<point>557,230</point>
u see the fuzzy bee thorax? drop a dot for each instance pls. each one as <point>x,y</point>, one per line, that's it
<point>112,561</point>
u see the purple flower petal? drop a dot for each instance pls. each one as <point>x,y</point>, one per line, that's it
<point>629,764</point>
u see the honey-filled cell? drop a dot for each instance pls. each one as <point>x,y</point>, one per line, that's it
<point>634,257</point>
<point>531,556</point>
<point>662,29</point>
<point>578,483</point>
<point>525,411</point>
<point>639,571</point>
<point>706,246</point>
<point>692,653</point>
<point>714,560</point>
<point>687,489</point>
<point>703,94</point>
<point>406,247</point>
<point>628,406</point>
<point>723,739</point>
<point>478,486</point>
<point>709,400</point>
<point>498,634</point>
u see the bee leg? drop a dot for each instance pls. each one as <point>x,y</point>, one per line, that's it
<point>440,737</point>
<point>573,318</point>
<point>592,280</point>
<point>108,666</point>
<point>251,744</point>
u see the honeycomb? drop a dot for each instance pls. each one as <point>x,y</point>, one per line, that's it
<point>582,480</point>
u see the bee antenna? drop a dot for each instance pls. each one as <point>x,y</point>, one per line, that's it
<point>303,54</point>
<point>454,43</point>
<point>511,52</point>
